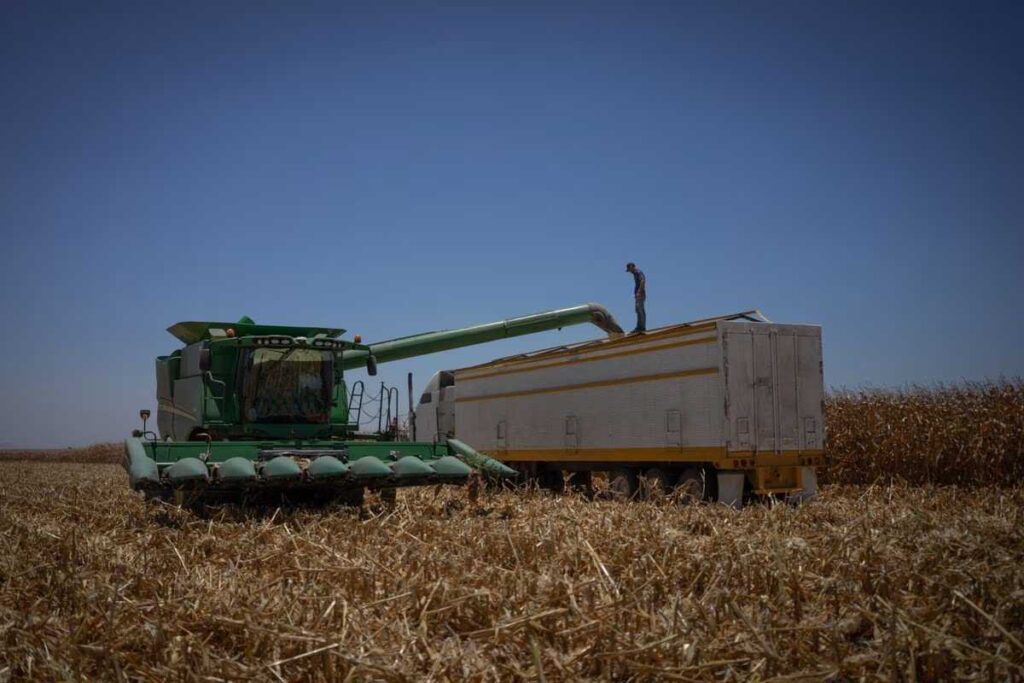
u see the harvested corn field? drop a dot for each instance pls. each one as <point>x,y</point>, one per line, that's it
<point>867,581</point>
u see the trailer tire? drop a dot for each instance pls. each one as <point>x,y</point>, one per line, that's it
<point>694,485</point>
<point>551,480</point>
<point>582,483</point>
<point>622,483</point>
<point>526,477</point>
<point>655,484</point>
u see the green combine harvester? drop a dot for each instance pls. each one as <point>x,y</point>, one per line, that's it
<point>249,411</point>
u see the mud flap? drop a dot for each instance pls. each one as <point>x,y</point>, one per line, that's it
<point>809,483</point>
<point>730,489</point>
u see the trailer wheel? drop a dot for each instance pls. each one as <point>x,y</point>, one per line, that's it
<point>655,484</point>
<point>623,483</point>
<point>582,483</point>
<point>693,485</point>
<point>526,476</point>
<point>551,480</point>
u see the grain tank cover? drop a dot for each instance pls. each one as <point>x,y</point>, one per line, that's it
<point>193,331</point>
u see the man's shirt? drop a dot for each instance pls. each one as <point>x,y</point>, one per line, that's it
<point>639,284</point>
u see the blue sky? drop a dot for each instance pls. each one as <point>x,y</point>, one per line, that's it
<point>393,168</point>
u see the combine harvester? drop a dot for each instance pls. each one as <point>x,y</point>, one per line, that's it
<point>725,408</point>
<point>248,409</point>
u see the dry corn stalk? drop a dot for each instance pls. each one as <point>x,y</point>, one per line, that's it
<point>966,434</point>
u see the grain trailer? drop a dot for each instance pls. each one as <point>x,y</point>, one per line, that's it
<point>725,407</point>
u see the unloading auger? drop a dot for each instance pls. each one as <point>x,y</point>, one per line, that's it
<point>247,409</point>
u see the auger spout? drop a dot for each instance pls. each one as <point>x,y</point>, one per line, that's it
<point>443,340</point>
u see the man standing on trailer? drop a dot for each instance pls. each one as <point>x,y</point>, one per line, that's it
<point>639,296</point>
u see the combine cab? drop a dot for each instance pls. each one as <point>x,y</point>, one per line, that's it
<point>253,410</point>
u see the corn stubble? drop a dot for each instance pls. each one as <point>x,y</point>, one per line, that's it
<point>919,582</point>
<point>897,576</point>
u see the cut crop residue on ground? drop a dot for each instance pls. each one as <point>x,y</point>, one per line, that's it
<point>911,581</point>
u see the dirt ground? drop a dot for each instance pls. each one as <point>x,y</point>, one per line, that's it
<point>911,583</point>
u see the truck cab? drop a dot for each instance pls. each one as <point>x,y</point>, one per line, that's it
<point>435,413</point>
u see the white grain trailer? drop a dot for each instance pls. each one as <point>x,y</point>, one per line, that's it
<point>725,407</point>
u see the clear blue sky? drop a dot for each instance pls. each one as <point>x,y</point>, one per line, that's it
<point>394,168</point>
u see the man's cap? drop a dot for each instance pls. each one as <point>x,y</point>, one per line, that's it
<point>630,265</point>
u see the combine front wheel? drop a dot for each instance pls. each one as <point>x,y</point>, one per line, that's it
<point>389,496</point>
<point>353,497</point>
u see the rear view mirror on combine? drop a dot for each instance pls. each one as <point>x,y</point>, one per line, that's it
<point>371,365</point>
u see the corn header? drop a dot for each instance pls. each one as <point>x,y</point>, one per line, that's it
<point>246,409</point>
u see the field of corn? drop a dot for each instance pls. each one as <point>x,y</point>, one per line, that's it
<point>968,434</point>
<point>902,578</point>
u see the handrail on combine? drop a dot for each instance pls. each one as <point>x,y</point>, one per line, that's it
<point>384,418</point>
<point>358,390</point>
